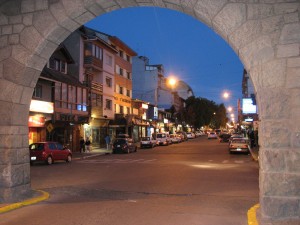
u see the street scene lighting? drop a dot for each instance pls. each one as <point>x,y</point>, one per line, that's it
<point>226,95</point>
<point>172,82</point>
<point>229,109</point>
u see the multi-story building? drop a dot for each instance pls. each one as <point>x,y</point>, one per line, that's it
<point>59,103</point>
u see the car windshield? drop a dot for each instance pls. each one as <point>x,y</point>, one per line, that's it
<point>145,139</point>
<point>120,141</point>
<point>36,146</point>
<point>161,135</point>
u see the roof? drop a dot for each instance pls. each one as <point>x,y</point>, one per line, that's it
<point>61,77</point>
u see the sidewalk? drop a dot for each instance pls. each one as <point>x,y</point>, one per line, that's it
<point>255,153</point>
<point>94,152</point>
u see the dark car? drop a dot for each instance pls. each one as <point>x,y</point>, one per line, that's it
<point>123,145</point>
<point>49,152</point>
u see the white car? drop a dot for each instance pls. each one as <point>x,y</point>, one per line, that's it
<point>175,138</point>
<point>190,135</point>
<point>163,139</point>
<point>148,142</point>
<point>212,135</point>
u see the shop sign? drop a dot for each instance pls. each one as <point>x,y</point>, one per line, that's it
<point>144,106</point>
<point>50,127</point>
<point>36,121</point>
<point>41,106</point>
<point>166,120</point>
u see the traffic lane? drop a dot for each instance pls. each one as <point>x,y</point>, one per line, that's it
<point>190,162</point>
<point>123,190</point>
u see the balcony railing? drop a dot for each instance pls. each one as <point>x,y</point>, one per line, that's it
<point>95,86</point>
<point>93,61</point>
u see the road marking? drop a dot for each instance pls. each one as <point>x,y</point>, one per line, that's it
<point>117,161</point>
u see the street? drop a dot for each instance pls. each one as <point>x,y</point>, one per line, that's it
<point>192,183</point>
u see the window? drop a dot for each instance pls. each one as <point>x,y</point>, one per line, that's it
<point>37,93</point>
<point>108,60</point>
<point>96,99</point>
<point>121,71</point>
<point>129,75</point>
<point>97,52</point>
<point>108,104</point>
<point>120,90</point>
<point>121,53</point>
<point>128,93</point>
<point>128,58</point>
<point>128,110</point>
<point>58,65</point>
<point>121,109</point>
<point>108,81</point>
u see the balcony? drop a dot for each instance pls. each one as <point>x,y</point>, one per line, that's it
<point>97,87</point>
<point>90,61</point>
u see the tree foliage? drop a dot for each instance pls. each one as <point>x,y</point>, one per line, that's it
<point>200,112</point>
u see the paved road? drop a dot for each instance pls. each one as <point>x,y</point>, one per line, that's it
<point>193,183</point>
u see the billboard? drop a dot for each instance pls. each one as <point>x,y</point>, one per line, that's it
<point>248,107</point>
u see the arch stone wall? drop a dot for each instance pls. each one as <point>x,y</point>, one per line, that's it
<point>265,34</point>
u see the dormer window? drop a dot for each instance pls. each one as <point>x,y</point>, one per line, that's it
<point>58,65</point>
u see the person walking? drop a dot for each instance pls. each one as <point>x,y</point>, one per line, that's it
<point>107,141</point>
<point>88,145</point>
<point>81,143</point>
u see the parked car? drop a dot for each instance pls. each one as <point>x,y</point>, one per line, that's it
<point>148,142</point>
<point>190,135</point>
<point>239,145</point>
<point>123,145</point>
<point>175,138</point>
<point>224,137</point>
<point>212,135</point>
<point>182,135</point>
<point>235,135</point>
<point>49,152</point>
<point>163,139</point>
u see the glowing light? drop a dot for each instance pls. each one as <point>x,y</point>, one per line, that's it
<point>226,95</point>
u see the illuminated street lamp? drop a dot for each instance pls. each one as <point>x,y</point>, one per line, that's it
<point>172,82</point>
<point>226,95</point>
<point>229,109</point>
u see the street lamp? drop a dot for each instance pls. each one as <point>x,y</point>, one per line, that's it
<point>172,82</point>
<point>226,95</point>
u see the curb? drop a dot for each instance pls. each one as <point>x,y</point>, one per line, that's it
<point>252,220</point>
<point>44,196</point>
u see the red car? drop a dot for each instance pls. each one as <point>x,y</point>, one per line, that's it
<point>49,152</point>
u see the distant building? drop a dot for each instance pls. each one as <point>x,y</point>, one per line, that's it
<point>150,84</point>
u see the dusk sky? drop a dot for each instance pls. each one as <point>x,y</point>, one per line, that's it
<point>187,48</point>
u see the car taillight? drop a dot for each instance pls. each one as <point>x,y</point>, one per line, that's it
<point>245,146</point>
<point>231,146</point>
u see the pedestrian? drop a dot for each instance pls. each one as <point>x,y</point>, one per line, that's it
<point>107,141</point>
<point>82,146</point>
<point>88,145</point>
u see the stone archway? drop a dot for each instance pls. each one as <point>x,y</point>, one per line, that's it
<point>265,35</point>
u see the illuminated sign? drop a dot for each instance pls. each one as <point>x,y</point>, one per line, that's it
<point>155,113</point>
<point>166,120</point>
<point>36,121</point>
<point>41,106</point>
<point>144,106</point>
<point>248,107</point>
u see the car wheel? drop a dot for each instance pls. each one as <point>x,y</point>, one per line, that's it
<point>69,158</point>
<point>49,160</point>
